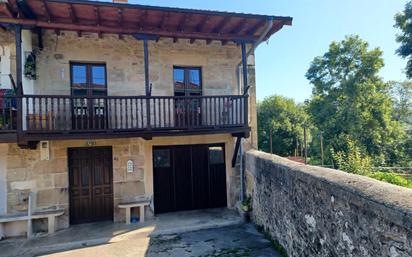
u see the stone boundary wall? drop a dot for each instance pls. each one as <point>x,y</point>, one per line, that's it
<point>314,211</point>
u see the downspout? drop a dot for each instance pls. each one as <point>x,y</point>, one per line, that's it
<point>268,27</point>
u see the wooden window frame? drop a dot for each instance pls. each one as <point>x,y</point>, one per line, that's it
<point>88,75</point>
<point>186,77</point>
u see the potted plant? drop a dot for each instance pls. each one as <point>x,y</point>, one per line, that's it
<point>246,208</point>
<point>30,67</point>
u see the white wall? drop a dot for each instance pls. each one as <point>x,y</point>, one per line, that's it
<point>26,48</point>
<point>5,66</point>
<point>3,174</point>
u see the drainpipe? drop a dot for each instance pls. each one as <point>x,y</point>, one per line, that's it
<point>268,27</point>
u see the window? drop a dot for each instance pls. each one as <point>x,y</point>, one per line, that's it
<point>216,155</point>
<point>161,158</point>
<point>88,79</point>
<point>187,81</point>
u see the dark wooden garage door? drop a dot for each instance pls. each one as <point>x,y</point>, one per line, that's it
<point>90,184</point>
<point>189,177</point>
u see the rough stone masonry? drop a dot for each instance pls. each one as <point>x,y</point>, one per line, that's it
<point>313,211</point>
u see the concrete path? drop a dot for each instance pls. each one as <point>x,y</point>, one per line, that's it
<point>232,241</point>
<point>212,232</point>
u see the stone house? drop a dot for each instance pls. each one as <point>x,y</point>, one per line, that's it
<point>106,103</point>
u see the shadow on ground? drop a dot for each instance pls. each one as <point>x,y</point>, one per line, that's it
<point>214,232</point>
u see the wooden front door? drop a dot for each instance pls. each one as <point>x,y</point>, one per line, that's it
<point>189,177</point>
<point>90,184</point>
<point>187,82</point>
<point>89,89</point>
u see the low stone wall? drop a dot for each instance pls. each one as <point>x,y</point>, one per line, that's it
<point>313,211</point>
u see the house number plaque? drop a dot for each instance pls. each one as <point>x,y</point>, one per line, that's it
<point>129,166</point>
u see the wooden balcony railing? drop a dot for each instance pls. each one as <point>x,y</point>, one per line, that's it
<point>110,114</point>
<point>8,114</point>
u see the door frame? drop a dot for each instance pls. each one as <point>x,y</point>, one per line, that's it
<point>70,174</point>
<point>90,105</point>
<point>186,81</point>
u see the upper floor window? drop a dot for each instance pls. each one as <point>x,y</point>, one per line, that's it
<point>88,79</point>
<point>187,81</point>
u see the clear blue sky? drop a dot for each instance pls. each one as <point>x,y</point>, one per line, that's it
<point>281,65</point>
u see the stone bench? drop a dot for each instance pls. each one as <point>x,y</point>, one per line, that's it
<point>128,206</point>
<point>50,215</point>
<point>31,215</point>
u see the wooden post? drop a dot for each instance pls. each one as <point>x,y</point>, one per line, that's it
<point>270,141</point>
<point>306,146</point>
<point>146,66</point>
<point>19,82</point>
<point>146,81</point>
<point>245,83</point>
<point>321,146</point>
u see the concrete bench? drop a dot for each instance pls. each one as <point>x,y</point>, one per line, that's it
<point>31,215</point>
<point>49,215</point>
<point>128,206</point>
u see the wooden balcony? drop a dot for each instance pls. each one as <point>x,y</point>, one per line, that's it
<point>45,117</point>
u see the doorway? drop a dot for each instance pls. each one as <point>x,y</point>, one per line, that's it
<point>90,184</point>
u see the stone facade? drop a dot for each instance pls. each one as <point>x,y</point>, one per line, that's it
<point>313,211</point>
<point>125,63</point>
<point>25,172</point>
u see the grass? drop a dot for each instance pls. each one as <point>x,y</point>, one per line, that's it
<point>275,243</point>
<point>393,178</point>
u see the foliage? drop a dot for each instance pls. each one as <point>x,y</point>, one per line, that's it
<point>402,100</point>
<point>392,178</point>
<point>285,119</point>
<point>30,67</point>
<point>350,99</point>
<point>246,204</point>
<point>352,159</point>
<point>403,21</point>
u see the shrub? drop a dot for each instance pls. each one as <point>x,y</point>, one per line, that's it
<point>352,160</point>
<point>392,178</point>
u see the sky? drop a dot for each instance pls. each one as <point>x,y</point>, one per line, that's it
<point>282,62</point>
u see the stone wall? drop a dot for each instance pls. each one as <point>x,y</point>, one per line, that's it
<point>48,179</point>
<point>23,172</point>
<point>313,211</point>
<point>125,63</point>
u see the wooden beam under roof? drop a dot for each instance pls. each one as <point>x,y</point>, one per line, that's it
<point>72,14</point>
<point>183,21</point>
<point>127,30</point>
<point>97,16</point>
<point>203,23</point>
<point>8,10</point>
<point>120,16</point>
<point>25,9</point>
<point>239,26</point>
<point>46,11</point>
<point>142,21</point>
<point>255,28</point>
<point>163,21</point>
<point>218,28</point>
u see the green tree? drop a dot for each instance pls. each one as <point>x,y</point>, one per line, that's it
<point>285,119</point>
<point>352,159</point>
<point>350,99</point>
<point>403,21</point>
<point>402,99</point>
